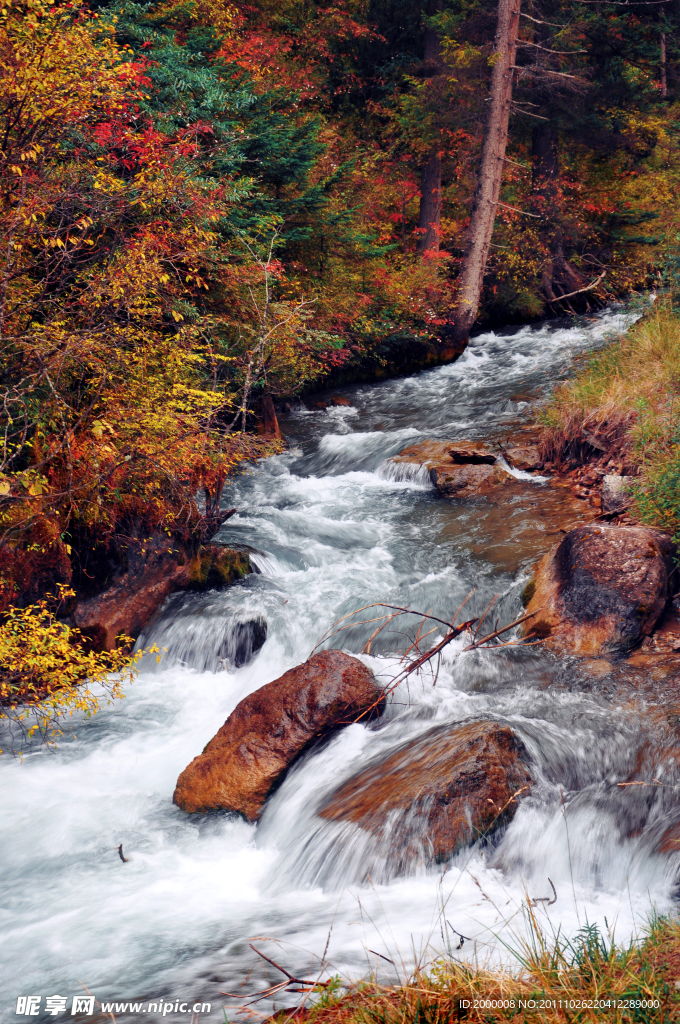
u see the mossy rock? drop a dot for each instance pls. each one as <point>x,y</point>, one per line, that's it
<point>528,592</point>
<point>215,566</point>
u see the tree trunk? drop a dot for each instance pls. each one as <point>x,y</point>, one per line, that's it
<point>483,215</point>
<point>664,80</point>
<point>429,218</point>
<point>429,215</point>
<point>269,425</point>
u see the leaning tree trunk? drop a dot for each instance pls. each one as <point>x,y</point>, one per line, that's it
<point>483,215</point>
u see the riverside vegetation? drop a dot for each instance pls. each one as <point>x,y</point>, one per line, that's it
<point>588,979</point>
<point>621,414</point>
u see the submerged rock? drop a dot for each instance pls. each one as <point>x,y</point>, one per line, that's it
<point>459,469</point>
<point>243,643</point>
<point>271,727</point>
<point>602,588</point>
<point>439,793</point>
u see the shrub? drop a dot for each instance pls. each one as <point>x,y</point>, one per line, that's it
<point>47,671</point>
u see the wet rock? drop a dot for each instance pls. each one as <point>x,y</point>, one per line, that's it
<point>525,457</point>
<point>464,481</point>
<point>217,566</point>
<point>466,454</point>
<point>269,730</point>
<point>615,496</point>
<point>439,793</point>
<point>426,453</point>
<point>243,642</point>
<point>457,470</point>
<point>135,592</point>
<point>154,569</point>
<point>602,588</point>
<point>338,400</point>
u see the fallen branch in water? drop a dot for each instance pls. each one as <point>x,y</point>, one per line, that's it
<point>308,985</point>
<point>545,899</point>
<point>393,611</point>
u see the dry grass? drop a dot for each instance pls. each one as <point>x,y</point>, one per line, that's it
<point>623,393</point>
<point>622,410</point>
<point>586,980</point>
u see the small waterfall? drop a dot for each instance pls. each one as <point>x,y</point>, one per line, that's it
<point>204,633</point>
<point>405,472</point>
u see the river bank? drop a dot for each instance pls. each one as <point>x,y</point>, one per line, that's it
<point>588,979</point>
<point>613,430</point>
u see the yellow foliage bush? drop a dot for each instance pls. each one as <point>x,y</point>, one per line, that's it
<point>47,674</point>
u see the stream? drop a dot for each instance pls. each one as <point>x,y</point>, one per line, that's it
<point>333,525</point>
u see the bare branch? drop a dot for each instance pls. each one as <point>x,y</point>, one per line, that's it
<point>524,213</point>
<point>579,291</point>
<point>560,53</point>
<point>537,21</point>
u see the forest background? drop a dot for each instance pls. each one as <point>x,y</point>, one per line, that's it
<point>210,207</point>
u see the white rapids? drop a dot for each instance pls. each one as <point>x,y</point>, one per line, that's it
<point>331,526</point>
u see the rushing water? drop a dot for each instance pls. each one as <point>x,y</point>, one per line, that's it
<point>332,525</point>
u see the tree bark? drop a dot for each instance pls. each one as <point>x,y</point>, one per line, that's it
<point>664,80</point>
<point>429,218</point>
<point>270,424</point>
<point>483,215</point>
<point>429,215</point>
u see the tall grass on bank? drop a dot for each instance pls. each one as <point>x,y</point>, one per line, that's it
<point>623,409</point>
<point>587,979</point>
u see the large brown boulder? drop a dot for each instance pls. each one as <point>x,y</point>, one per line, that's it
<point>440,792</point>
<point>602,589</point>
<point>271,727</point>
<point>457,469</point>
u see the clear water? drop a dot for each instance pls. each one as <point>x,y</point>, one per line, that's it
<point>333,526</point>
